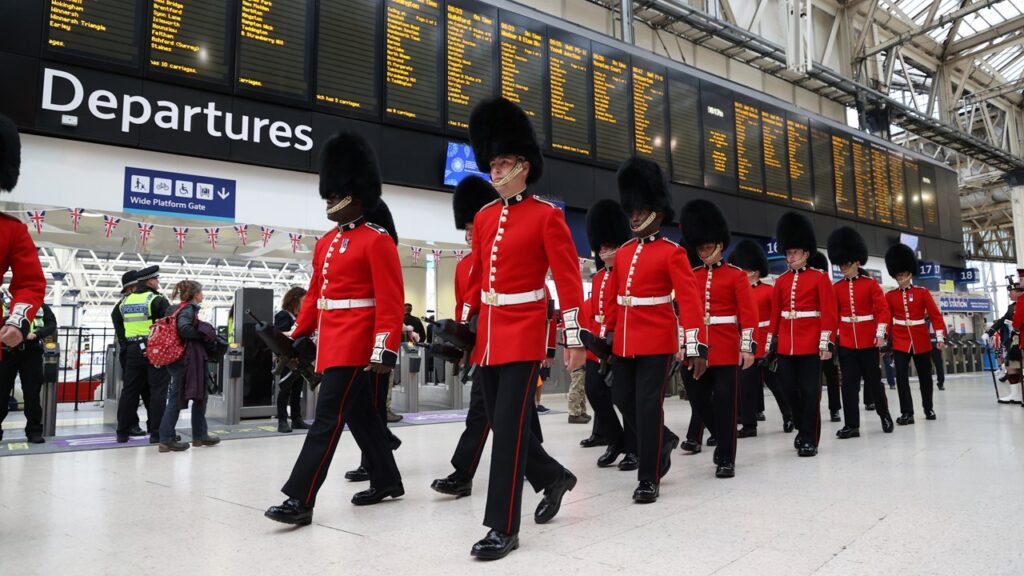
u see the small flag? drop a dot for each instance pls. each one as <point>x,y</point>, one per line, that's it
<point>416,250</point>
<point>296,239</point>
<point>437,254</point>
<point>76,215</point>
<point>212,234</point>
<point>110,223</point>
<point>145,230</point>
<point>181,233</point>
<point>37,217</point>
<point>459,255</point>
<point>243,233</point>
<point>266,233</point>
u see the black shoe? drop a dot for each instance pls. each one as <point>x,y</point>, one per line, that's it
<point>35,439</point>
<point>691,446</point>
<point>283,427</point>
<point>869,407</point>
<point>929,414</point>
<point>495,546</point>
<point>788,425</point>
<point>456,484</point>
<point>552,500</point>
<point>609,457</point>
<point>808,450</point>
<point>394,443</point>
<point>666,454</point>
<point>375,495</point>
<point>136,431</point>
<point>299,424</point>
<point>905,419</point>
<point>727,470</point>
<point>290,512</point>
<point>1004,378</point>
<point>646,492</point>
<point>798,441</point>
<point>173,446</point>
<point>542,409</point>
<point>941,386</point>
<point>358,475</point>
<point>760,417</point>
<point>746,432</point>
<point>834,416</point>
<point>629,463</point>
<point>848,432</point>
<point>120,439</point>
<point>593,441</point>
<point>712,441</point>
<point>887,425</point>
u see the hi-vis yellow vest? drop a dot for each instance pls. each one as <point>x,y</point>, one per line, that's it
<point>137,311</point>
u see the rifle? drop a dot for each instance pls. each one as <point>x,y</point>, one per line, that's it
<point>286,350</point>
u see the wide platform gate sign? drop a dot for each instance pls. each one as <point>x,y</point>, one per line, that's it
<point>161,193</point>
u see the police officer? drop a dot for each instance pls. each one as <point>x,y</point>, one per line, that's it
<point>729,321</point>
<point>17,252</point>
<point>516,240</point>
<point>138,311</point>
<point>912,308</point>
<point>804,317</point>
<point>355,302</point>
<point>26,360</point>
<point>863,323</point>
<point>128,281</point>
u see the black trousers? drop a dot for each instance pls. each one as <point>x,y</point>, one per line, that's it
<point>800,381</point>
<point>380,383</point>
<point>923,363</point>
<point>771,379</point>
<point>869,397</point>
<point>471,444</point>
<point>857,365</point>
<point>28,363</point>
<point>346,397</point>
<point>289,391</point>
<point>140,376</point>
<point>714,398</point>
<point>639,391</point>
<point>606,421</point>
<point>835,395</point>
<point>940,366</point>
<point>751,395</point>
<point>508,396</point>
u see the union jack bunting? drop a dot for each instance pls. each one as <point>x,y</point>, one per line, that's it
<point>243,233</point>
<point>110,223</point>
<point>295,239</point>
<point>459,255</point>
<point>37,217</point>
<point>212,234</point>
<point>145,230</point>
<point>181,233</point>
<point>416,251</point>
<point>266,233</point>
<point>76,216</point>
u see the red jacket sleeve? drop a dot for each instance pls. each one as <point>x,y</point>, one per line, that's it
<point>773,328</point>
<point>1018,316</point>
<point>565,269</point>
<point>475,280</point>
<point>880,308</point>
<point>309,315</point>
<point>829,312</point>
<point>690,319</point>
<point>28,285</point>
<point>747,314</point>
<point>611,301</point>
<point>934,316</point>
<point>389,293</point>
<point>459,294</point>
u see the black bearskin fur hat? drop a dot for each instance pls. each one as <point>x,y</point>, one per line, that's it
<point>900,258</point>
<point>642,186</point>
<point>10,154</point>
<point>794,230</point>
<point>607,224</point>
<point>472,194</point>
<point>846,245</point>
<point>703,223</point>
<point>818,260</point>
<point>380,215</point>
<point>749,255</point>
<point>348,167</point>
<point>498,127</point>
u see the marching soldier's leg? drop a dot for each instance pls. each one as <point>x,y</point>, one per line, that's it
<point>471,444</point>
<point>850,362</point>
<point>751,387</point>
<point>624,392</point>
<point>923,363</point>
<point>835,403</point>
<point>771,380</point>
<point>8,373</point>
<point>653,437</point>
<point>726,392</point>
<point>606,421</point>
<point>31,369</point>
<point>808,373</point>
<point>371,434</point>
<point>872,372</point>
<point>902,361</point>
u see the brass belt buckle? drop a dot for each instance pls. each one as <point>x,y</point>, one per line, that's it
<point>491,298</point>
<point>627,301</point>
<point>792,314</point>
<point>322,303</point>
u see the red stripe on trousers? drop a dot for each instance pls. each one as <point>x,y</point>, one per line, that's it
<point>661,421</point>
<point>334,436</point>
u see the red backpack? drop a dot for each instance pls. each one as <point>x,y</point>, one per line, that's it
<point>164,345</point>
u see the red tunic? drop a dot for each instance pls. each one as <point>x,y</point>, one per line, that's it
<point>914,306</point>
<point>462,270</point>
<point>728,312</point>
<point>515,242</point>
<point>652,267</point>
<point>28,285</point>
<point>804,317</point>
<point>863,312</point>
<point>763,300</point>
<point>357,263</point>
<point>1018,316</point>
<point>594,308</point>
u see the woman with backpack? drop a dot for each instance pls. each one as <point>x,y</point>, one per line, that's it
<point>189,373</point>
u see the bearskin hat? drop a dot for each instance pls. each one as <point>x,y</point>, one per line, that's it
<point>498,127</point>
<point>818,260</point>
<point>472,194</point>
<point>749,255</point>
<point>10,154</point>
<point>348,167</point>
<point>607,225</point>
<point>642,186</point>
<point>846,245</point>
<point>794,230</point>
<point>703,223</point>
<point>380,215</point>
<point>900,258</point>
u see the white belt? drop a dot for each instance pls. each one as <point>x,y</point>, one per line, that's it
<point>908,322</point>
<point>632,301</point>
<point>493,298</point>
<point>794,314</point>
<point>855,319</point>
<point>712,320</point>
<point>328,304</point>
<point>764,324</point>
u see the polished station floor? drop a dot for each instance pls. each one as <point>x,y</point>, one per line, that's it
<point>936,498</point>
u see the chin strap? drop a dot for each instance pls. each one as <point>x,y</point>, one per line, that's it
<point>647,222</point>
<point>515,171</point>
<point>340,205</point>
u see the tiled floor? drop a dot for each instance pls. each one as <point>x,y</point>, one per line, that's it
<point>936,498</point>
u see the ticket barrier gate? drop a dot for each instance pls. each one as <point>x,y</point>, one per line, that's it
<point>225,401</point>
<point>51,361</point>
<point>114,380</point>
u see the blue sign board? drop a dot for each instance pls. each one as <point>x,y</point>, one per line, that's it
<point>929,271</point>
<point>459,162</point>
<point>162,193</point>
<point>771,248</point>
<point>969,276</point>
<point>964,304</point>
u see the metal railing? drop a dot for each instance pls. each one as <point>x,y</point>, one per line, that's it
<point>82,359</point>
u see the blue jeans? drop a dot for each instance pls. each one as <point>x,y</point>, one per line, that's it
<point>170,419</point>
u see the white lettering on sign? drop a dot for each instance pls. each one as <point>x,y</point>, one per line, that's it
<point>136,110</point>
<point>716,112</point>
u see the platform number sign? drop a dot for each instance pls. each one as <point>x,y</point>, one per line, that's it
<point>969,276</point>
<point>771,248</point>
<point>929,270</point>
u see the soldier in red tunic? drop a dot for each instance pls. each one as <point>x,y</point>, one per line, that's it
<point>863,322</point>
<point>912,308</point>
<point>648,335</point>
<point>355,304</point>
<point>803,328</point>
<point>607,229</point>
<point>516,240</point>
<point>750,257</point>
<point>729,321</point>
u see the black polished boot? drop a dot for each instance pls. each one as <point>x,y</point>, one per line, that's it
<point>929,414</point>
<point>291,512</point>
<point>35,439</point>
<point>798,441</point>
<point>712,441</point>
<point>726,470</point>
<point>691,446</point>
<point>552,500</point>
<point>848,432</point>
<point>869,407</point>
<point>666,454</point>
<point>299,424</point>
<point>646,492</point>
<point>282,426</point>
<point>887,425</point>
<point>375,495</point>
<point>807,450</point>
<point>760,417</point>
<point>905,419</point>
<point>746,432</point>
<point>495,546</point>
<point>610,456</point>
<point>457,484</point>
<point>834,416</point>
<point>788,425</point>
<point>136,431</point>
<point>593,441</point>
<point>629,463</point>
<point>358,475</point>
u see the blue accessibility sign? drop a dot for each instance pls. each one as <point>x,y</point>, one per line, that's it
<point>161,193</point>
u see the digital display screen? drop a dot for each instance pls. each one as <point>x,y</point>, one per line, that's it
<point>272,48</point>
<point>824,176</point>
<point>523,63</point>
<point>459,163</point>
<point>842,163</point>
<point>104,30</point>
<point>801,175</point>
<point>912,180</point>
<point>470,38</point>
<point>571,113</point>
<point>684,113</point>
<point>348,61</point>
<point>650,132</point>
<point>717,117</point>
<point>189,38</point>
<point>880,180</point>
<point>863,189</point>
<point>749,158</point>
<point>899,190</point>
<point>412,31</point>
<point>776,154</point>
<point>613,140</point>
<point>928,200</point>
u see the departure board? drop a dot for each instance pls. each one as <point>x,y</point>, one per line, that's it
<point>776,154</point>
<point>880,181</point>
<point>863,189</point>
<point>613,141</point>
<point>798,152</point>
<point>272,47</point>
<point>749,158</point>
<point>899,191</point>
<point>824,177</point>
<point>523,61</point>
<point>717,117</point>
<point>912,180</point>
<point>684,121</point>
<point>189,38</point>
<point>928,199</point>
<point>412,44</point>
<point>842,163</point>
<point>470,38</point>
<point>649,128</point>
<point>348,58</point>
<point>104,30</point>
<point>569,76</point>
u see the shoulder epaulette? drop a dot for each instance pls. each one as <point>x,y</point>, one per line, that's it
<point>377,227</point>
<point>541,200</point>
